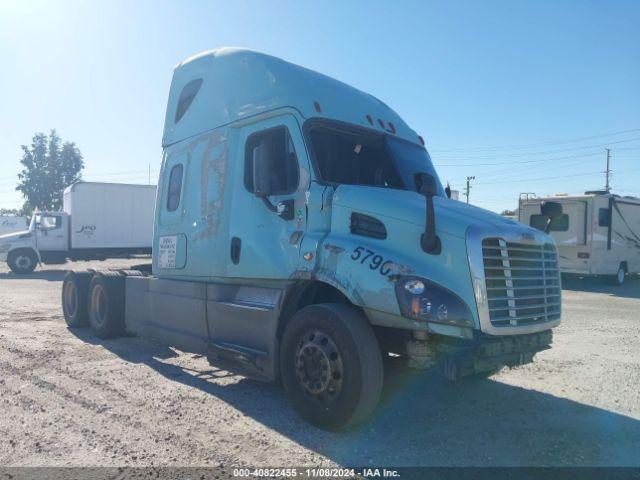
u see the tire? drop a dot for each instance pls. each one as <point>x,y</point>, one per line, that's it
<point>22,261</point>
<point>106,304</point>
<point>331,365</point>
<point>620,276</point>
<point>75,293</point>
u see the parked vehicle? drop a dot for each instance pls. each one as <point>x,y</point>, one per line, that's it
<point>12,223</point>
<point>301,233</point>
<point>597,234</point>
<point>98,221</point>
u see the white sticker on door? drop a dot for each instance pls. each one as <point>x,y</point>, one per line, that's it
<point>167,251</point>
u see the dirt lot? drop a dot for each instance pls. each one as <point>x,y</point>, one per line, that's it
<point>68,398</point>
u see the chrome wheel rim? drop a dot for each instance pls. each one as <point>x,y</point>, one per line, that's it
<point>23,262</point>
<point>319,366</point>
<point>620,275</point>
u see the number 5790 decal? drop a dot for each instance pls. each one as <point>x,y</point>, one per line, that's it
<point>375,261</point>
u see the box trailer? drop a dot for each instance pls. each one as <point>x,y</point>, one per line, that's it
<point>301,233</point>
<point>597,234</point>
<point>97,221</point>
<point>12,223</point>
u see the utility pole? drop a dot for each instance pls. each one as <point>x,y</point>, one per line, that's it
<point>466,192</point>
<point>607,171</point>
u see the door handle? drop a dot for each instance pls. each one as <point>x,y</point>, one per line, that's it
<point>236,247</point>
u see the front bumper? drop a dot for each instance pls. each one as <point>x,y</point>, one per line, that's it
<point>486,353</point>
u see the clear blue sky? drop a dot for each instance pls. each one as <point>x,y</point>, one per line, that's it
<point>477,79</point>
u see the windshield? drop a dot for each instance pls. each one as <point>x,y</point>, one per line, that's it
<point>358,157</point>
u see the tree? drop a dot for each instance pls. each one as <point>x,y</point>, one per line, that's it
<point>508,213</point>
<point>48,168</point>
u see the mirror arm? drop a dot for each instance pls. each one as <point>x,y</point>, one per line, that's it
<point>283,209</point>
<point>429,241</point>
<point>269,205</point>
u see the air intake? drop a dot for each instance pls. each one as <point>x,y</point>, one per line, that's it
<point>367,226</point>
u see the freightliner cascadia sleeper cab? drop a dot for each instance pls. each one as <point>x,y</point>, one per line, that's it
<point>301,233</point>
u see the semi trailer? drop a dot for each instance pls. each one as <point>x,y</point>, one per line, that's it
<point>301,233</point>
<point>598,233</point>
<point>97,221</point>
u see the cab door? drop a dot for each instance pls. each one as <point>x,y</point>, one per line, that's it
<point>263,243</point>
<point>51,232</point>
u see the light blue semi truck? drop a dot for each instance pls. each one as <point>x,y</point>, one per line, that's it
<point>301,233</point>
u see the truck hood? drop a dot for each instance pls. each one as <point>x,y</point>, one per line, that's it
<point>452,217</point>
<point>8,237</point>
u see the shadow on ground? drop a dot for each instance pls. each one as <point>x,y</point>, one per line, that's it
<point>48,275</point>
<point>630,289</point>
<point>423,420</point>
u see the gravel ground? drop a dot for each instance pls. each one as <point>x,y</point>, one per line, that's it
<point>68,398</point>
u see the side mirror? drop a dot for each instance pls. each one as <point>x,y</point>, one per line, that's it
<point>426,184</point>
<point>551,209</point>
<point>261,171</point>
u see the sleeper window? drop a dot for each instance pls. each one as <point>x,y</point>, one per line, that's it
<point>284,167</point>
<point>175,188</point>
<point>187,95</point>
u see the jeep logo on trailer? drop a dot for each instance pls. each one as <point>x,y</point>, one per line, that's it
<point>87,230</point>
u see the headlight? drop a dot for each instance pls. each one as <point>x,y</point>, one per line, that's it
<point>425,301</point>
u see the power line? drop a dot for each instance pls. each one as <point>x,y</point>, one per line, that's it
<point>539,144</point>
<point>544,152</point>
<point>584,155</point>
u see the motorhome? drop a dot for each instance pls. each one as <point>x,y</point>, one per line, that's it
<point>12,223</point>
<point>97,221</point>
<point>598,233</point>
<point>301,233</point>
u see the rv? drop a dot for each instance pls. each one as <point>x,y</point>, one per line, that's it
<point>97,221</point>
<point>597,234</point>
<point>301,233</point>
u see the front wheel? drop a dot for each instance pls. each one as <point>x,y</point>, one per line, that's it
<point>22,261</point>
<point>331,365</point>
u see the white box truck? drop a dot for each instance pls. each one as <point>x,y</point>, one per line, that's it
<point>12,223</point>
<point>597,234</point>
<point>97,221</point>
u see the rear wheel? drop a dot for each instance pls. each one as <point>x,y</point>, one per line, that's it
<point>106,304</point>
<point>620,276</point>
<point>331,365</point>
<point>75,290</point>
<point>22,261</point>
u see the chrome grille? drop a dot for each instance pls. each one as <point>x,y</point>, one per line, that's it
<point>522,282</point>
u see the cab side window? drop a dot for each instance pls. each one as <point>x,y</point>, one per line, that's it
<point>50,223</point>
<point>174,190</point>
<point>284,169</point>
